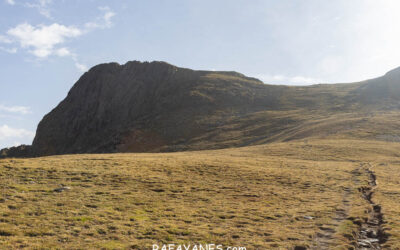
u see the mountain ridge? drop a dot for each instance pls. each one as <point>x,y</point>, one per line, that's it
<point>159,107</point>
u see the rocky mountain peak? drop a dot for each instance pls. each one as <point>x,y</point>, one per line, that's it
<point>156,106</point>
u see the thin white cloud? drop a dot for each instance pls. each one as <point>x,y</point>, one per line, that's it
<point>42,40</point>
<point>16,109</point>
<point>9,132</point>
<point>45,2</point>
<point>281,79</point>
<point>62,52</point>
<point>11,2</point>
<point>102,22</point>
<point>42,7</point>
<point>4,39</point>
<point>107,18</point>
<point>9,50</point>
<point>81,67</point>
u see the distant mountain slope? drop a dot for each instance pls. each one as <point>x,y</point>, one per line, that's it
<point>150,107</point>
<point>382,90</point>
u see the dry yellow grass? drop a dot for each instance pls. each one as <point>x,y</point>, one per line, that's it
<point>278,195</point>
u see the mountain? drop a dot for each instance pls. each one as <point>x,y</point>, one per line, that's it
<point>145,107</point>
<point>385,89</point>
<point>158,107</point>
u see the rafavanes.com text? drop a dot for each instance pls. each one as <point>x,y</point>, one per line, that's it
<point>195,247</point>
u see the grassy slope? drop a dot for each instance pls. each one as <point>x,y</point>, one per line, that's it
<point>279,126</point>
<point>258,197</point>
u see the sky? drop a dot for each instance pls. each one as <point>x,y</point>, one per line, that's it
<point>46,45</point>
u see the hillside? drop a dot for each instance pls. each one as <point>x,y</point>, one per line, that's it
<point>301,167</point>
<point>158,107</point>
<point>314,194</point>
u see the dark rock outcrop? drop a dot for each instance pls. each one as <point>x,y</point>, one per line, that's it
<point>16,152</point>
<point>140,107</point>
<point>155,106</point>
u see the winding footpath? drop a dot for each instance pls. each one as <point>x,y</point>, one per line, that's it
<point>371,234</point>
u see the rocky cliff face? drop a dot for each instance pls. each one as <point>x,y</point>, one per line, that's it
<point>140,107</point>
<point>153,107</point>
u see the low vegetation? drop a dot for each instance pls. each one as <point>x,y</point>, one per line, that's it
<point>301,193</point>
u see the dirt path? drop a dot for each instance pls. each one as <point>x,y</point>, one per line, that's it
<point>371,234</point>
<point>324,238</point>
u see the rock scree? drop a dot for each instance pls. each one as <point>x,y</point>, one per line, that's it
<point>371,235</point>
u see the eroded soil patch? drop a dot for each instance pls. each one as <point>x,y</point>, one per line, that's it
<point>371,234</point>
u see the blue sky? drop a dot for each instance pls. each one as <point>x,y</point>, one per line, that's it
<point>46,45</point>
